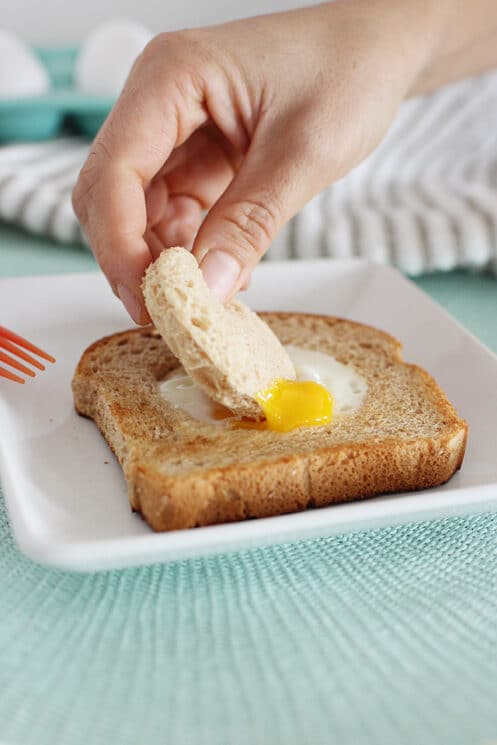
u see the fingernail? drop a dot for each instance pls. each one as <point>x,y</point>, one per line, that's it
<point>221,272</point>
<point>130,302</point>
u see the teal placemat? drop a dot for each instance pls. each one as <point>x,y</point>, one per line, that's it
<point>382,637</point>
<point>22,253</point>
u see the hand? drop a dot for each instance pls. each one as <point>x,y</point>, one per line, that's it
<point>247,121</point>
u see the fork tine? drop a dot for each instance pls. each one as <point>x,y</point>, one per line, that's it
<point>25,343</point>
<point>14,363</point>
<point>19,353</point>
<point>10,376</point>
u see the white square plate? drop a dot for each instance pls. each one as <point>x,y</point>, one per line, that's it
<point>65,492</point>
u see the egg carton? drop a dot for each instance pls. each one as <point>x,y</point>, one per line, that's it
<point>40,117</point>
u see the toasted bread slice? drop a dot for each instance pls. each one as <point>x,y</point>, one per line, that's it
<point>227,350</point>
<point>183,473</point>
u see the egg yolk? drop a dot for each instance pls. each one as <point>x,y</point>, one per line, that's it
<point>288,404</point>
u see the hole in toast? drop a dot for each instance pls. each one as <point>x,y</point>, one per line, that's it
<point>165,370</point>
<point>122,342</point>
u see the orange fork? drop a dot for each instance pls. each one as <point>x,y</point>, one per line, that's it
<point>13,343</point>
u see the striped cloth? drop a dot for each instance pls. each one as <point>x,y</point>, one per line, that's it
<point>426,199</point>
<point>36,180</point>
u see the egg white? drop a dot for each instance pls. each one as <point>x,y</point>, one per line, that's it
<point>347,387</point>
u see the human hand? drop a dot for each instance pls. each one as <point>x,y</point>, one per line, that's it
<point>248,121</point>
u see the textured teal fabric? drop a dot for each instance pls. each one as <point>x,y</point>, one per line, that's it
<point>377,638</point>
<point>381,637</point>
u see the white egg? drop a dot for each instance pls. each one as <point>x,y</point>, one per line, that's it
<point>347,387</point>
<point>107,55</point>
<point>21,72</point>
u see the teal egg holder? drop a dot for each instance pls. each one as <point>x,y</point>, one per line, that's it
<point>38,118</point>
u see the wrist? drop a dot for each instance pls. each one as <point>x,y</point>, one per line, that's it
<point>404,36</point>
<point>465,43</point>
<point>415,32</point>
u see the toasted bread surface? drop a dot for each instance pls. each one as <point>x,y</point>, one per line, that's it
<point>227,349</point>
<point>183,473</point>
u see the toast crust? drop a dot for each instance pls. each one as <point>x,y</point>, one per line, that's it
<point>182,473</point>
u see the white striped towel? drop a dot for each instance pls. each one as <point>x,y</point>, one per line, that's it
<point>425,199</point>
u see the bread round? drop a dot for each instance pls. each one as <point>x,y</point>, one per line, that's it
<point>226,349</point>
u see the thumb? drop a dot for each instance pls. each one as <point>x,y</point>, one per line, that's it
<point>268,189</point>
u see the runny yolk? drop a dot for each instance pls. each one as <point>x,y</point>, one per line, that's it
<point>288,404</point>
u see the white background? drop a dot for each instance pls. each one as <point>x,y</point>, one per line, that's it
<point>66,21</point>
